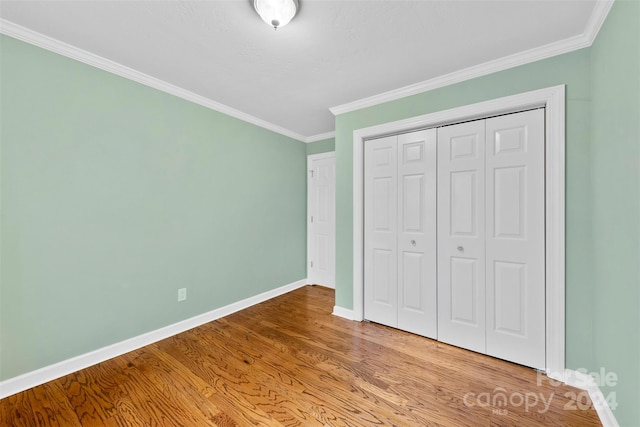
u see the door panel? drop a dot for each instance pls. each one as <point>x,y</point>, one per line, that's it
<point>323,203</point>
<point>515,238</point>
<point>412,292</point>
<point>412,203</point>
<point>417,309</point>
<point>463,200</point>
<point>380,231</point>
<point>509,296</point>
<point>509,193</point>
<point>464,291</point>
<point>384,277</point>
<point>461,261</point>
<point>384,212</point>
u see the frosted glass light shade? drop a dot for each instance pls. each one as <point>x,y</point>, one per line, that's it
<point>276,13</point>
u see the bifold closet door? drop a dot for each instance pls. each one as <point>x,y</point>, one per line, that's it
<point>381,231</point>
<point>417,261</point>
<point>400,232</point>
<point>461,237</point>
<point>515,238</point>
<point>491,271</point>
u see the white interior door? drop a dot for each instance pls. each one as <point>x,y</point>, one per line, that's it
<point>417,304</point>
<point>515,238</point>
<point>461,236</point>
<point>380,231</point>
<point>321,219</point>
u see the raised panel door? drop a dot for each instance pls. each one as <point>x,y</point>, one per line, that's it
<point>461,260</point>
<point>515,238</point>
<point>417,303</point>
<point>321,232</point>
<point>381,231</point>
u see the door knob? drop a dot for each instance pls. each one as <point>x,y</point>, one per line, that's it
<point>460,249</point>
<point>413,242</point>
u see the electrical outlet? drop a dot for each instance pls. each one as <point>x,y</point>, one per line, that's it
<point>182,294</point>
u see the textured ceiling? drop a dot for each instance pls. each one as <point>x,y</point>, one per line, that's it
<point>332,53</point>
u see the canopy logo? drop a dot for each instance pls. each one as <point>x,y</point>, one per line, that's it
<point>499,400</point>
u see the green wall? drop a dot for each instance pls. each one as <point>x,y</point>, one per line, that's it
<point>615,189</point>
<point>114,195</point>
<point>323,146</point>
<point>602,191</point>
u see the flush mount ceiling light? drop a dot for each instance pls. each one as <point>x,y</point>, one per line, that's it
<point>276,13</point>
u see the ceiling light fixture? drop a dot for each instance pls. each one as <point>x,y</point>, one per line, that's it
<point>276,13</point>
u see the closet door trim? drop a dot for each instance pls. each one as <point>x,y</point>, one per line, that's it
<point>553,99</point>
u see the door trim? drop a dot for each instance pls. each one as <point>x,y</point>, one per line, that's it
<point>553,99</point>
<point>310,159</point>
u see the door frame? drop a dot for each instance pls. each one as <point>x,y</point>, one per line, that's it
<point>310,159</point>
<point>553,99</point>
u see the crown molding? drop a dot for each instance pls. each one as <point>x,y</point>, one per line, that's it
<point>586,39</point>
<point>320,136</point>
<point>597,18</point>
<point>37,39</point>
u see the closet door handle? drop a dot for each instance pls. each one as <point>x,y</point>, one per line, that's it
<point>460,249</point>
<point>413,243</point>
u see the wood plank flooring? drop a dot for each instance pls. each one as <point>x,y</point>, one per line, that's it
<point>290,362</point>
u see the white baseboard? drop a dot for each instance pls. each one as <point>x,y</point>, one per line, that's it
<point>586,382</point>
<point>343,312</point>
<point>48,373</point>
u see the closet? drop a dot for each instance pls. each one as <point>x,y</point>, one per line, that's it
<point>454,235</point>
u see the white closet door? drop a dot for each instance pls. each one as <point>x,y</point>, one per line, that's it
<point>381,231</point>
<point>461,237</point>
<point>417,305</point>
<point>515,238</point>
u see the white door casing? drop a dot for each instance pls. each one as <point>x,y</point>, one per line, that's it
<point>553,99</point>
<point>515,279</point>
<point>321,219</point>
<point>461,235</point>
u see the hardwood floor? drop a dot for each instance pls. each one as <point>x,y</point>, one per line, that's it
<point>290,362</point>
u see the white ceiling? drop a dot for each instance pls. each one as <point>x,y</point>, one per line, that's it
<point>332,53</point>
